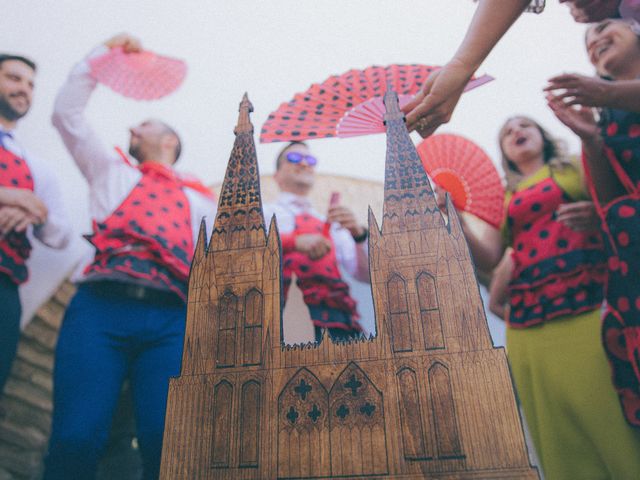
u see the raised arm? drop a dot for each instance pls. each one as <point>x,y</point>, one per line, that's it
<point>434,105</point>
<point>83,143</point>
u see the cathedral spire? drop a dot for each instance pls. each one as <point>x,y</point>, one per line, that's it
<point>244,122</point>
<point>409,202</point>
<point>239,222</point>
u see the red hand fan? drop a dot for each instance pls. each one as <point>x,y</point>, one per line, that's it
<point>140,75</point>
<point>464,170</point>
<point>347,105</point>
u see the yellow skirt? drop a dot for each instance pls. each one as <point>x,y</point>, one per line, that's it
<point>564,384</point>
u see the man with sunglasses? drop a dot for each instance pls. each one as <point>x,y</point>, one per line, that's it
<point>313,246</point>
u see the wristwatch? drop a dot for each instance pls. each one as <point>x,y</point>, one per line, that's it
<point>362,237</point>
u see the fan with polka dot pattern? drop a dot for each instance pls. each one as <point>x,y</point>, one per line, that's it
<point>464,170</point>
<point>139,75</point>
<point>347,105</point>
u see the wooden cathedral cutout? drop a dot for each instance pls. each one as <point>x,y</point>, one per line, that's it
<point>428,397</point>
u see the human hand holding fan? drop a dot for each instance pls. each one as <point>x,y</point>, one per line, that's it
<point>347,105</point>
<point>136,73</point>
<point>464,170</point>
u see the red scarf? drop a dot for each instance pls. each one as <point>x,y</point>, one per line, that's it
<point>185,180</point>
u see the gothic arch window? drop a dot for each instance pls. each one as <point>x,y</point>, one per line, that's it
<point>399,314</point>
<point>429,311</point>
<point>273,268</point>
<point>252,329</point>
<point>303,426</point>
<point>414,443</point>
<point>250,424</point>
<point>221,442</point>
<point>356,413</point>
<point>444,412</point>
<point>227,318</point>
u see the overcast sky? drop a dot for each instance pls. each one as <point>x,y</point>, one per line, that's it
<point>271,49</point>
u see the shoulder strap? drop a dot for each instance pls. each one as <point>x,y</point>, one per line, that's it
<point>124,157</point>
<point>599,208</point>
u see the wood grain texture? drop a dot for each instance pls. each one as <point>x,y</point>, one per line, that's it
<point>428,397</point>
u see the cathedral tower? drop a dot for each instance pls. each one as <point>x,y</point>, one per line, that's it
<point>428,397</point>
<point>234,297</point>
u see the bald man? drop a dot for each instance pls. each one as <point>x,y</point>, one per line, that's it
<point>128,317</point>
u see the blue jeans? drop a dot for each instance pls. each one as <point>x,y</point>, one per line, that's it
<point>10,311</point>
<point>102,341</point>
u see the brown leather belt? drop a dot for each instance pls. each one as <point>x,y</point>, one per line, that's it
<point>133,291</point>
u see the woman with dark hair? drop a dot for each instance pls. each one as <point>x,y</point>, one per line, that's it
<point>555,295</point>
<point>612,157</point>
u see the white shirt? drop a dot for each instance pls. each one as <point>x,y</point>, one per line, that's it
<point>352,256</point>
<point>110,178</point>
<point>56,231</point>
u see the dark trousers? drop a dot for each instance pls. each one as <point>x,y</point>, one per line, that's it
<point>102,341</point>
<point>332,316</point>
<point>10,311</point>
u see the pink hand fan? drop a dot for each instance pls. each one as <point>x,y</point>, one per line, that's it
<point>141,75</point>
<point>368,117</point>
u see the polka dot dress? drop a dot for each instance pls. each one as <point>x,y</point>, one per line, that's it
<point>621,323</point>
<point>558,271</point>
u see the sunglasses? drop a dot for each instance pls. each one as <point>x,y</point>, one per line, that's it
<point>295,157</point>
